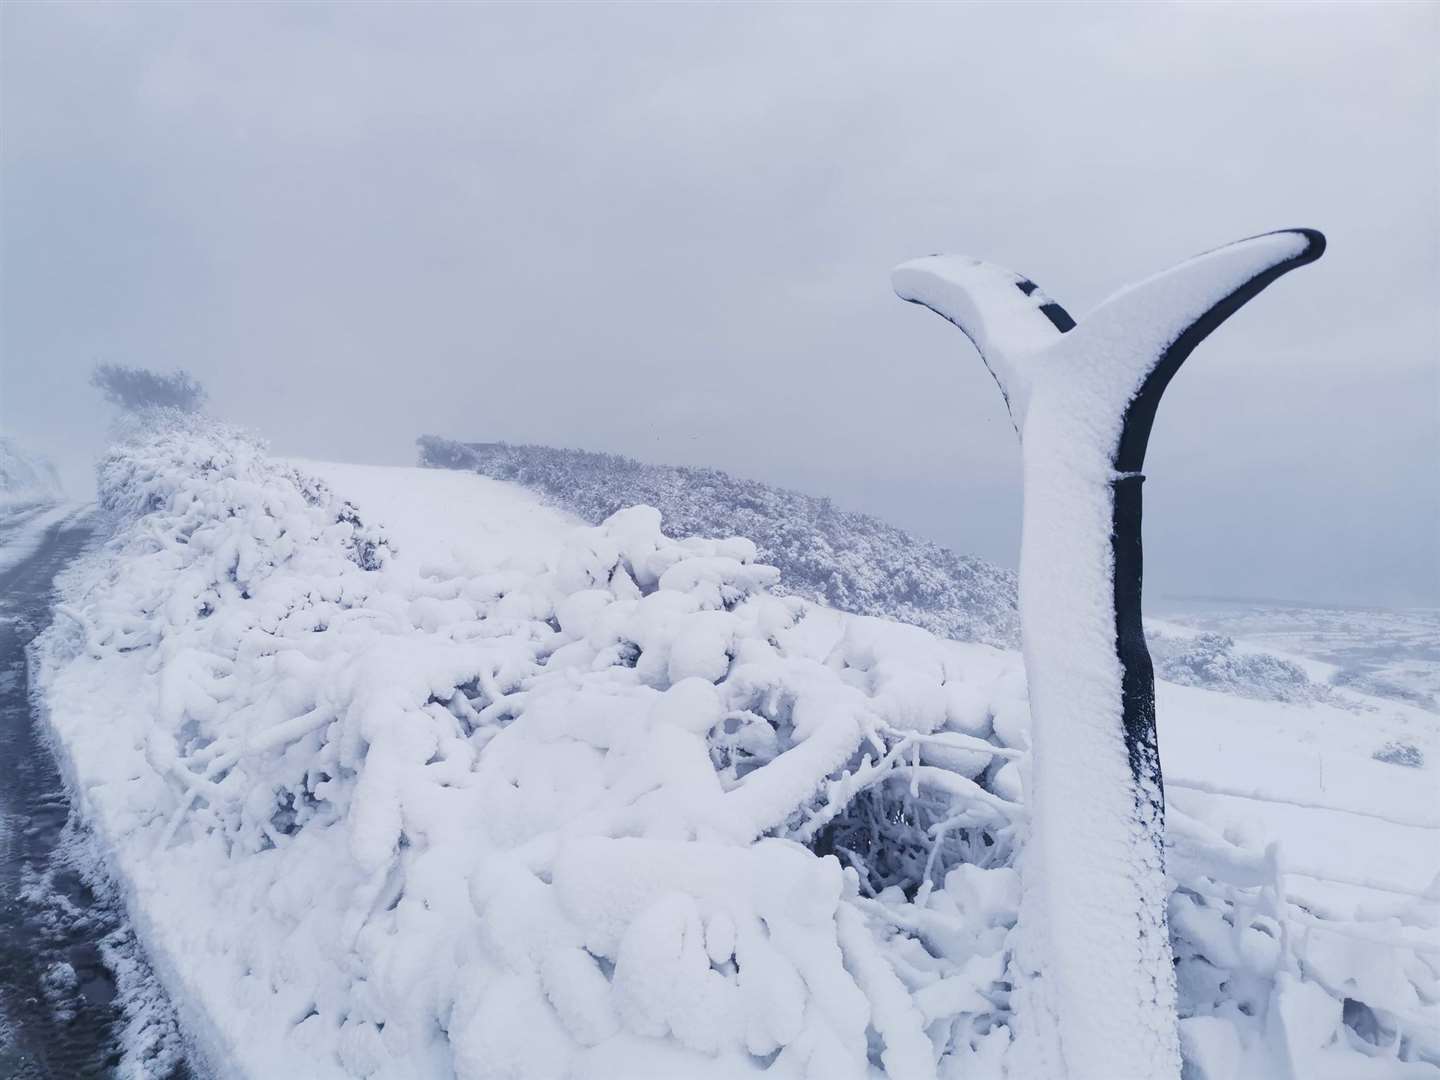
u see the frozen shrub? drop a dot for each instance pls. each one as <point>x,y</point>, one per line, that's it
<point>850,561</point>
<point>1211,661</point>
<point>1400,753</point>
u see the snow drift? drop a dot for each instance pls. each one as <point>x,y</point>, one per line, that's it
<point>494,793</point>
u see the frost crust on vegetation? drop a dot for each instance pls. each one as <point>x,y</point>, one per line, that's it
<point>611,809</point>
<point>1212,661</point>
<point>852,562</point>
<point>849,561</point>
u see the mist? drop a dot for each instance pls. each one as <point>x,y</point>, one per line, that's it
<point>667,232</point>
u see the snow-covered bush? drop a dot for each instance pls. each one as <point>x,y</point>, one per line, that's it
<point>1408,682</point>
<point>850,561</point>
<point>1212,661</point>
<point>539,817</point>
<point>614,809</point>
<point>1401,753</point>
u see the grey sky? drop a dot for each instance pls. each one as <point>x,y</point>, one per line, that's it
<point>667,231</point>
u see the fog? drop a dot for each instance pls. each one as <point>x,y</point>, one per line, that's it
<point>667,232</point>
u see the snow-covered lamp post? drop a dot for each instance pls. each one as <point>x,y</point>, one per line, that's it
<point>1095,998</point>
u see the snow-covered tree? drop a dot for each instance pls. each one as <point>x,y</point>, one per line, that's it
<point>136,389</point>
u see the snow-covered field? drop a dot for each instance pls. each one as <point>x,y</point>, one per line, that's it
<point>1383,653</point>
<point>406,774</point>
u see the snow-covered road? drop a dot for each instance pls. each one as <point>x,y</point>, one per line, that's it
<point>64,949</point>
<point>25,527</point>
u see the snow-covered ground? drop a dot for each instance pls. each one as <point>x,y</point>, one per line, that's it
<point>1384,653</point>
<point>846,560</point>
<point>32,502</point>
<point>26,477</point>
<point>406,775</point>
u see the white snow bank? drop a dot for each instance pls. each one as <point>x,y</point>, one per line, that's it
<point>494,794</point>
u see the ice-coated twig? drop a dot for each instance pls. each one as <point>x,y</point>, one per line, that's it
<point>505,704</point>
<point>907,1054</point>
<point>911,917</point>
<point>92,649</point>
<point>173,824</point>
<point>839,793</point>
<point>289,731</point>
<point>959,741</point>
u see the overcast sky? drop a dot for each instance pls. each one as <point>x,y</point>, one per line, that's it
<point>668,231</point>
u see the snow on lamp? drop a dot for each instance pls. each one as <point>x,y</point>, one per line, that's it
<point>1095,993</point>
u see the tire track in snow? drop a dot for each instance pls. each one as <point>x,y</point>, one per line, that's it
<point>76,998</point>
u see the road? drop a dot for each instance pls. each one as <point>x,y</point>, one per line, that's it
<point>62,936</point>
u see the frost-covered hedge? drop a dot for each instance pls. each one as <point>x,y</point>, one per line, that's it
<point>850,561</point>
<point>616,811</point>
<point>1211,661</point>
<point>531,820</point>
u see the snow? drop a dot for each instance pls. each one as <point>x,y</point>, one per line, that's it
<point>26,477</point>
<point>31,502</point>
<point>1094,974</point>
<point>1384,653</point>
<point>491,792</point>
<point>24,526</point>
<point>835,557</point>
<point>450,520</point>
